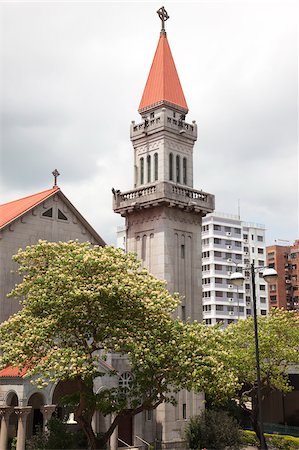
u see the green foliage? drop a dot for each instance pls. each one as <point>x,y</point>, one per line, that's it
<point>277,442</point>
<point>82,302</point>
<point>213,430</point>
<point>57,437</point>
<point>281,442</point>
<point>249,438</point>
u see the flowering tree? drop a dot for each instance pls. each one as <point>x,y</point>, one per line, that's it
<point>81,303</point>
<point>278,348</point>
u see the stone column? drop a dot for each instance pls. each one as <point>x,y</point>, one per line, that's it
<point>22,412</point>
<point>114,437</point>
<point>47,411</point>
<point>5,412</point>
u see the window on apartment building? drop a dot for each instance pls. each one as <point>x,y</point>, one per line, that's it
<point>218,293</point>
<point>227,229</point>
<point>260,275</point>
<point>271,255</point>
<point>247,273</point>
<point>216,227</point>
<point>219,307</point>
<point>273,298</point>
<point>208,321</point>
<point>241,308</point>
<point>205,241</point>
<point>230,308</point>
<point>207,307</point>
<point>218,280</point>
<point>227,242</point>
<point>217,254</point>
<point>248,312</point>
<point>248,299</point>
<point>260,238</point>
<point>149,414</point>
<point>262,299</point>
<point>272,287</point>
<point>229,295</point>
<point>229,321</point>
<point>205,267</point>
<point>237,230</point>
<point>246,249</point>
<point>219,320</point>
<point>240,295</point>
<point>217,241</point>
<point>260,251</point>
<point>206,281</point>
<point>294,266</point>
<point>229,268</point>
<point>247,286</point>
<point>271,265</point>
<point>228,255</point>
<point>205,254</point>
<point>238,256</point>
<point>238,244</point>
<point>218,267</point>
<point>263,312</point>
<point>245,236</point>
<point>261,262</point>
<point>206,294</point>
<point>252,249</point>
<point>252,237</point>
<point>228,281</point>
<point>262,287</point>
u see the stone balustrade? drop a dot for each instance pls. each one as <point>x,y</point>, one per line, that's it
<point>166,193</point>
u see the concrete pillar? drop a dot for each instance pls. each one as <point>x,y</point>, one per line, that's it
<point>5,412</point>
<point>22,412</point>
<point>47,411</point>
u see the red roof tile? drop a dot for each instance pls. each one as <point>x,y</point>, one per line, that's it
<point>12,210</point>
<point>163,82</point>
<point>12,372</point>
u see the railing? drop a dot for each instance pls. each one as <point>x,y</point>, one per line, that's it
<point>161,192</point>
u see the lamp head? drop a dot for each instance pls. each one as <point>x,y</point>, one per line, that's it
<point>237,278</point>
<point>270,275</point>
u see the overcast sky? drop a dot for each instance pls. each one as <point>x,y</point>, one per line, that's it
<point>72,76</point>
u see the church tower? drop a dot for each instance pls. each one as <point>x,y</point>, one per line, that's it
<point>164,212</point>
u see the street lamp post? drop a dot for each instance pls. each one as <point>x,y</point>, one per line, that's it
<point>237,278</point>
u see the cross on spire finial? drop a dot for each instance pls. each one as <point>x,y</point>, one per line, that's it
<point>162,13</point>
<point>55,174</point>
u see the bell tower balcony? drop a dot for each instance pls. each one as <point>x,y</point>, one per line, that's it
<point>163,194</point>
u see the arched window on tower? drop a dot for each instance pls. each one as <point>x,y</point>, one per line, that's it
<point>148,159</point>
<point>156,165</point>
<point>170,166</point>
<point>178,169</point>
<point>141,171</point>
<point>184,170</point>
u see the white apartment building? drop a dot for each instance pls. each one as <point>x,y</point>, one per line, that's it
<point>228,244</point>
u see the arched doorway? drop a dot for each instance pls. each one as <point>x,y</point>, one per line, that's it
<point>12,400</point>
<point>35,420</point>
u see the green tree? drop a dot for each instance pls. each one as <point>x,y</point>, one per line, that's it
<point>279,348</point>
<point>80,303</point>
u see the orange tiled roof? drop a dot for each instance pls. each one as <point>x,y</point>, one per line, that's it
<point>163,81</point>
<point>12,372</point>
<point>12,210</point>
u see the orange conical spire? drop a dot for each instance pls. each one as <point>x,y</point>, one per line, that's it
<point>163,84</point>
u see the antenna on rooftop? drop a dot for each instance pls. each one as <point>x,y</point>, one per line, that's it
<point>162,13</point>
<point>55,174</point>
<point>239,210</point>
